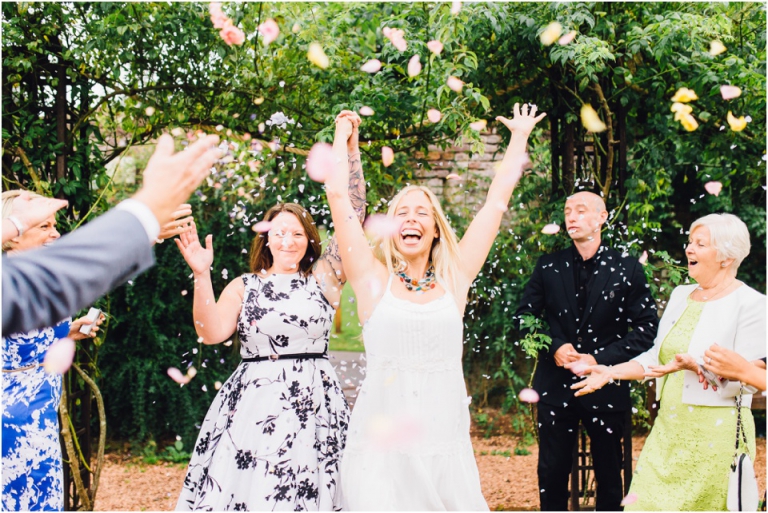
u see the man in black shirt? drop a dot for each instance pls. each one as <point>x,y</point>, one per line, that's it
<point>599,310</point>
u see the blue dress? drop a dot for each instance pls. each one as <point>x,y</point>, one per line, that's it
<point>32,471</point>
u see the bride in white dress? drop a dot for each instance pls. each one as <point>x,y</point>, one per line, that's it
<point>408,445</point>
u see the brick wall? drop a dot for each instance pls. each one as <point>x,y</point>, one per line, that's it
<point>476,170</point>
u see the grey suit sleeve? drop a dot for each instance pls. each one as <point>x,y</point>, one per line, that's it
<point>43,286</point>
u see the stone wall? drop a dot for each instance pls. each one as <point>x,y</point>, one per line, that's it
<point>475,171</point>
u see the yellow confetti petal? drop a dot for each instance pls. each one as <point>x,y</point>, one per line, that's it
<point>737,124</point>
<point>689,122</point>
<point>685,95</point>
<point>551,33</point>
<point>680,110</point>
<point>317,56</point>
<point>716,48</point>
<point>590,119</point>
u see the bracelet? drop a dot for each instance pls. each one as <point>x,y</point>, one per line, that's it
<point>17,224</point>
<point>349,157</point>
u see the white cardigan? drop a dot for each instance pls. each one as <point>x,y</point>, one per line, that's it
<point>736,322</point>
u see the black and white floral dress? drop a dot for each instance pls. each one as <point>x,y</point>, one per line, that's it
<point>273,437</point>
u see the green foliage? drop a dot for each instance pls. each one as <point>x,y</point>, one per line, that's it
<point>134,70</point>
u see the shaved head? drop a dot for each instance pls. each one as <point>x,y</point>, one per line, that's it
<point>590,199</point>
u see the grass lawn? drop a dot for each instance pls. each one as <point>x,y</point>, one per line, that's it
<point>350,337</point>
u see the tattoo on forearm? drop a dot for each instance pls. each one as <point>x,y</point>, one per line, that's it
<point>357,187</point>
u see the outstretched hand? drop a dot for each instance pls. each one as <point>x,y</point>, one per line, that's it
<point>198,258</point>
<point>182,222</point>
<point>682,361</point>
<point>32,211</point>
<point>522,121</point>
<point>597,377</point>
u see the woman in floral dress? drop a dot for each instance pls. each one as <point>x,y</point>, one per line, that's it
<point>32,463</point>
<point>273,437</point>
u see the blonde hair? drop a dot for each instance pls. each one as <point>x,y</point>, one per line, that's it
<point>445,248</point>
<point>8,197</point>
<point>728,235</point>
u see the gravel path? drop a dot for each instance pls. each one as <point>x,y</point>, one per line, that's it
<point>509,482</point>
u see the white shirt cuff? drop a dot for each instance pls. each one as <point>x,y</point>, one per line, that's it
<point>144,215</point>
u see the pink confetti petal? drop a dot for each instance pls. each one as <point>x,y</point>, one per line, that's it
<point>414,66</point>
<point>453,176</point>
<point>643,258</point>
<point>730,92</point>
<point>713,188</point>
<point>382,226</point>
<point>387,156</point>
<point>579,368</point>
<point>529,395</point>
<point>231,34</point>
<point>269,31</point>
<point>570,36</point>
<point>59,356</point>
<point>550,229</point>
<point>455,7</point>
<point>434,115</point>
<point>262,226</point>
<point>176,375</point>
<point>629,499</point>
<point>366,111</point>
<point>435,47</point>
<point>371,66</point>
<point>387,31</point>
<point>455,83</point>
<point>320,162</point>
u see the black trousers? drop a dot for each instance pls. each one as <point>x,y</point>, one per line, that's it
<point>558,431</point>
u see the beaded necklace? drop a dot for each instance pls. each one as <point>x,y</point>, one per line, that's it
<point>424,284</point>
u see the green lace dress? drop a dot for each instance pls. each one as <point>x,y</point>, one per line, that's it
<point>685,461</point>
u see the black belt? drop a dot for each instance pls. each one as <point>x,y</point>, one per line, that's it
<point>297,356</point>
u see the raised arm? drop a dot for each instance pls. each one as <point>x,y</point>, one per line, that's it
<point>477,241</point>
<point>214,321</point>
<point>329,269</point>
<point>360,264</point>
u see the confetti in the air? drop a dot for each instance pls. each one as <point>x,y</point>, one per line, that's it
<point>730,92</point>
<point>434,115</point>
<point>568,38</point>
<point>643,258</point>
<point>176,375</point>
<point>414,66</point>
<point>685,95</point>
<point>529,395</point>
<point>478,125</point>
<point>629,499</point>
<point>453,176</point>
<point>269,31</point>
<point>387,156</point>
<point>366,111</point>
<point>59,356</point>
<point>320,162</point>
<point>262,226</point>
<point>435,47</point>
<point>551,33</point>
<point>381,226</point>
<point>396,37</point>
<point>455,84</point>
<point>372,66</point>
<point>716,48</point>
<point>550,229</point>
<point>713,188</point>
<point>317,56</point>
<point>455,7</point>
<point>590,119</point>
<point>736,124</point>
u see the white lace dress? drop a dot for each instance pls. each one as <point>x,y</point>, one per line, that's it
<point>408,444</point>
<point>273,437</point>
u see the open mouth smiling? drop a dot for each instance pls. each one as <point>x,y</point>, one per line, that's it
<point>410,236</point>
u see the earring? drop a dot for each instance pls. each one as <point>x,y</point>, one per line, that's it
<point>722,264</point>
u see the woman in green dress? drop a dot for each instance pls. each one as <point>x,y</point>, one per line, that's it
<point>686,459</point>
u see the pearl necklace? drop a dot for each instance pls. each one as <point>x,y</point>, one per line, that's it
<point>424,284</point>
